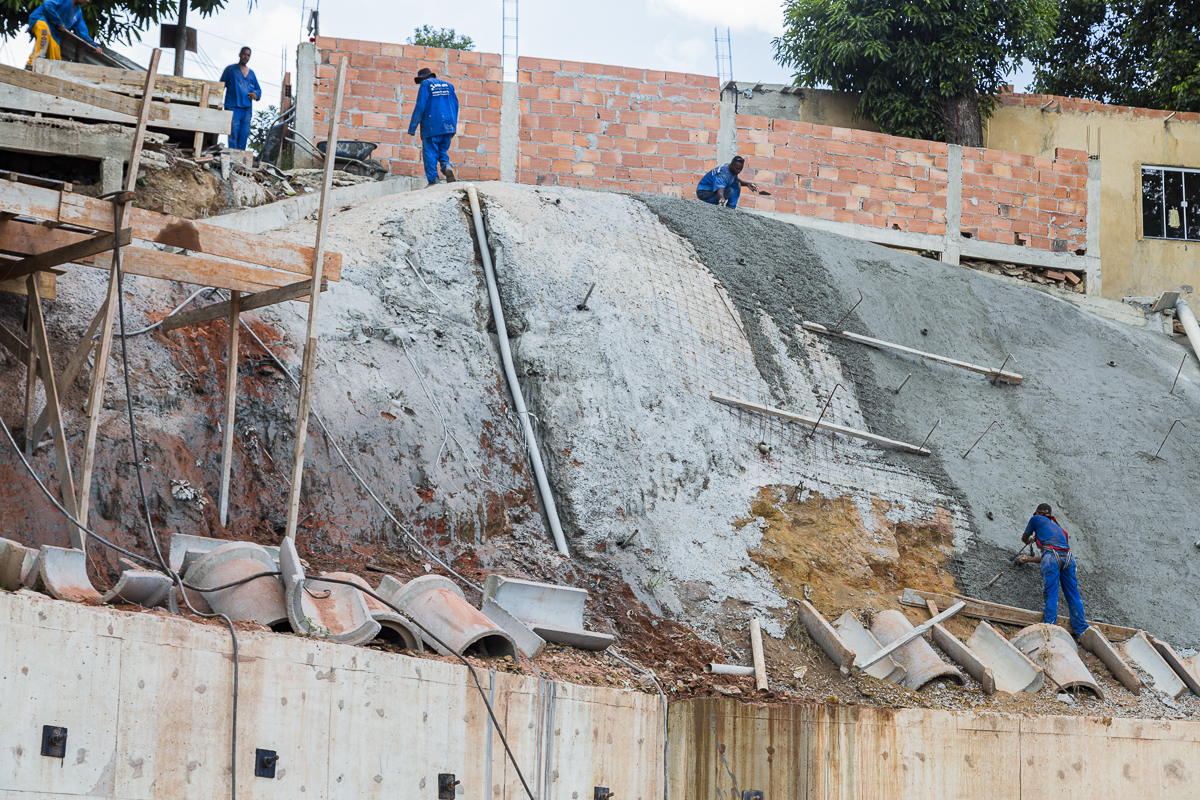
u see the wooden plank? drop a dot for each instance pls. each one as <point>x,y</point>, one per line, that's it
<point>47,285</point>
<point>314,305</point>
<point>293,291</point>
<point>821,424</point>
<point>13,343</point>
<point>31,367</point>
<point>62,458</point>
<point>991,372</point>
<point>77,92</point>
<point>177,117</point>
<point>100,371</point>
<point>70,372</point>
<point>879,655</point>
<point>21,238</point>
<point>1006,615</point>
<point>231,368</point>
<point>198,142</point>
<point>128,81</point>
<point>37,180</point>
<point>201,271</point>
<point>84,248</point>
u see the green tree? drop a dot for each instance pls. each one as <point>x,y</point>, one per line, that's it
<point>448,38</point>
<point>259,127</point>
<point>108,20</point>
<point>928,69</point>
<point>1126,52</point>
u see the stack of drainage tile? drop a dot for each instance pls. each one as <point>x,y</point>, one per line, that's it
<point>536,613</point>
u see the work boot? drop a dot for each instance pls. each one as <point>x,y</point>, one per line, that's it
<point>448,171</point>
<point>431,184</point>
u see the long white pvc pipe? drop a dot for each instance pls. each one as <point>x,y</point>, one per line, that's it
<point>1184,312</point>
<point>510,373</point>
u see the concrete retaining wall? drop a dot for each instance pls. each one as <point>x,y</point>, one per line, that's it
<point>146,702</point>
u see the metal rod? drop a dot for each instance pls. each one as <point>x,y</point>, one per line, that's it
<point>838,324</point>
<point>980,439</point>
<point>990,583</point>
<point>826,406</point>
<point>1177,373</point>
<point>733,316</point>
<point>1164,441</point>
<point>901,386</point>
<point>1007,358</point>
<point>583,306</point>
<point>931,430</point>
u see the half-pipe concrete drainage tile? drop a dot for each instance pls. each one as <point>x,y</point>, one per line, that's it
<point>140,587</point>
<point>18,565</point>
<point>330,611</point>
<point>1053,649</point>
<point>182,543</point>
<point>1013,670</point>
<point>864,644</point>
<point>1181,667</point>
<point>826,637</point>
<point>918,657</point>
<point>1142,652</point>
<point>1095,642</point>
<point>394,627</point>
<point>554,613</point>
<point>438,605</point>
<point>259,600</point>
<point>64,574</point>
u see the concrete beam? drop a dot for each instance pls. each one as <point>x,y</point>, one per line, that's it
<point>954,206</point>
<point>1093,226</point>
<point>71,140</point>
<point>510,125</point>
<point>727,133</point>
<point>306,81</point>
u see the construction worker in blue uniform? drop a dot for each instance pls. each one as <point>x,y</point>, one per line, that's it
<point>51,18</point>
<point>437,113</point>
<point>722,186</point>
<point>1057,565</point>
<point>241,90</point>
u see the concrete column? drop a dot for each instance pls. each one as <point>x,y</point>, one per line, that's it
<point>306,81</point>
<point>727,134</point>
<point>111,175</point>
<point>953,244</point>
<point>1093,226</point>
<point>510,126</point>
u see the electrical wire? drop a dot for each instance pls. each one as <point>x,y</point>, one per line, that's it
<point>150,328</point>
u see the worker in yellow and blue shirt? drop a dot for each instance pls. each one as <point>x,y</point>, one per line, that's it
<point>241,89</point>
<point>437,112</point>
<point>51,18</point>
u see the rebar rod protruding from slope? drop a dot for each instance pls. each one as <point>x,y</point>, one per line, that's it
<point>510,373</point>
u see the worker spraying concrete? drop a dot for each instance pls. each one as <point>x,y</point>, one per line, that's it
<point>1057,565</point>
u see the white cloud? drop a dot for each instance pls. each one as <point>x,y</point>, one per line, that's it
<point>684,55</point>
<point>756,15</point>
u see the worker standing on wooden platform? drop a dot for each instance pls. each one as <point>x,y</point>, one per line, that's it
<point>1058,567</point>
<point>437,113</point>
<point>241,90</point>
<point>51,17</point>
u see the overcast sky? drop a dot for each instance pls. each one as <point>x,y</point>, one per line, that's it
<point>656,34</point>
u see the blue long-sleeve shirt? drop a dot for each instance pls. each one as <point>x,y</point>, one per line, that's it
<point>436,110</point>
<point>722,178</point>
<point>238,87</point>
<point>61,12</point>
<point>1047,532</point>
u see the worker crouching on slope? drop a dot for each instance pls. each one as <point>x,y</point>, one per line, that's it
<point>437,112</point>
<point>52,17</point>
<point>1058,567</point>
<point>721,186</point>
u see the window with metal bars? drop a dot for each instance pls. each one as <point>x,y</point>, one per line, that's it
<point>1171,203</point>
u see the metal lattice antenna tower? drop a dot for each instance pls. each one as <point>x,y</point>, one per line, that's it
<point>724,59</point>
<point>509,57</point>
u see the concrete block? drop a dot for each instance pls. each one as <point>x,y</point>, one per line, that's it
<point>1013,670</point>
<point>64,574</point>
<point>965,657</point>
<point>141,587</point>
<point>440,607</point>
<point>260,600</point>
<point>330,611</point>
<point>529,642</point>
<point>864,643</point>
<point>826,637</point>
<point>1053,649</point>
<point>1180,667</point>
<point>1141,651</point>
<point>917,657</point>
<point>1094,641</point>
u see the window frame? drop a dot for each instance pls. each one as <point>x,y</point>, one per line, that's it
<point>1162,169</point>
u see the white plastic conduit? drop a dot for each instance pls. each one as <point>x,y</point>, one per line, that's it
<point>1184,312</point>
<point>510,373</point>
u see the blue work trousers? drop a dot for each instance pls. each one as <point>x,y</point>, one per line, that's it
<point>240,133</point>
<point>1052,577</point>
<point>435,150</point>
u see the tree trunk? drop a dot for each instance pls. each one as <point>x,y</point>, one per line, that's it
<point>181,38</point>
<point>963,123</point>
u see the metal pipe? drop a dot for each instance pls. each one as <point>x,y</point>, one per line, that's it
<point>1184,312</point>
<point>510,373</point>
<point>727,669</point>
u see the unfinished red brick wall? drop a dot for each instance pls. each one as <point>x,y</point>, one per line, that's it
<point>845,175</point>
<point>1017,199</point>
<point>380,96</point>
<point>599,126</point>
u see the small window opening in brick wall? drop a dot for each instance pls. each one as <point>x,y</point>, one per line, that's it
<point>1171,203</point>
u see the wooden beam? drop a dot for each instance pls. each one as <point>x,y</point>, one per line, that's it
<point>46,285</point>
<point>72,252</point>
<point>37,180</point>
<point>100,371</point>
<point>198,141</point>
<point>70,372</point>
<point>821,424</point>
<point>293,291</point>
<point>201,271</point>
<point>14,344</point>
<point>31,367</point>
<point>1006,615</point>
<point>991,372</point>
<point>231,368</point>
<point>314,306</point>
<point>128,81</point>
<point>866,661</point>
<point>77,92</point>
<point>41,343</point>
<point>173,117</point>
